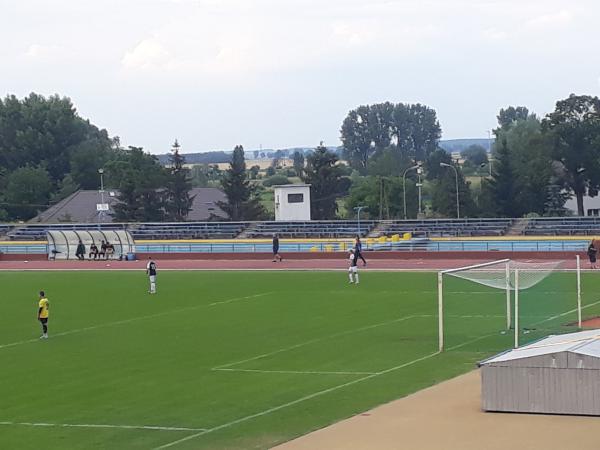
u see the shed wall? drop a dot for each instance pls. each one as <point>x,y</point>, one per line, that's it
<point>541,390</point>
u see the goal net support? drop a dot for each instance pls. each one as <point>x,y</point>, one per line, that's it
<point>508,276</point>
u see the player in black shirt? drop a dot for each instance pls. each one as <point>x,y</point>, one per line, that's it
<point>276,255</point>
<point>151,272</point>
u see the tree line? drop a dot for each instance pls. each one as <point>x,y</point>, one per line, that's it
<point>47,152</point>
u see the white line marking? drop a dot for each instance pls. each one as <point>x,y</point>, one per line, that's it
<point>312,341</point>
<point>295,402</point>
<point>135,319</point>
<point>92,425</point>
<point>302,372</point>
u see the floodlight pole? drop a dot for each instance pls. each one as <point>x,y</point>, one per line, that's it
<point>578,291</point>
<point>358,209</point>
<point>404,187</point>
<point>101,172</point>
<point>516,308</point>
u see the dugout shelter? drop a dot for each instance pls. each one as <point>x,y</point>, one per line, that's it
<point>556,375</point>
<point>62,244</point>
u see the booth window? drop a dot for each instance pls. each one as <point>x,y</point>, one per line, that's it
<point>295,198</point>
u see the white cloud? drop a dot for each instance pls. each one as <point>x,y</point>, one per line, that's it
<point>39,51</point>
<point>551,20</point>
<point>147,54</point>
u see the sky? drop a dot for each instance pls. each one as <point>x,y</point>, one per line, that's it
<point>284,73</point>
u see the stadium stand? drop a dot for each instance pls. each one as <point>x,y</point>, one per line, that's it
<point>445,227</point>
<point>4,229</point>
<point>563,226</point>
<point>312,229</point>
<point>188,230</point>
<point>37,232</point>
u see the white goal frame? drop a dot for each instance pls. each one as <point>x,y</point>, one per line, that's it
<point>507,288</point>
<point>440,282</point>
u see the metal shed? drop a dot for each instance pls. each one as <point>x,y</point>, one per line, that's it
<point>555,375</point>
<point>62,244</point>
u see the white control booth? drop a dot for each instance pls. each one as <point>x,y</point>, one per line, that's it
<point>292,202</point>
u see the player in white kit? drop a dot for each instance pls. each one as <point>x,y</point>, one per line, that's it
<point>353,267</point>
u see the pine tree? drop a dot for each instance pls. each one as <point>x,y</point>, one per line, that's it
<point>324,175</point>
<point>502,184</point>
<point>178,202</point>
<point>242,201</point>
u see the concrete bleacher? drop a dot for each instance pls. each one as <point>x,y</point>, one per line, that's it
<point>312,229</point>
<point>446,227</point>
<point>37,232</point>
<point>5,228</point>
<point>563,226</point>
<point>188,230</point>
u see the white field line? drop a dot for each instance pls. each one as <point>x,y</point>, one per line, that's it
<point>135,319</point>
<point>312,341</point>
<point>301,372</point>
<point>93,425</point>
<point>295,402</point>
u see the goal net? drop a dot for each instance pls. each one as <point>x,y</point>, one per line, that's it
<point>503,303</point>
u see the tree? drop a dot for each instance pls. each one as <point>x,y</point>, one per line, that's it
<point>298,163</point>
<point>506,117</point>
<point>324,176</point>
<point>178,202</point>
<point>574,131</point>
<point>383,197</point>
<point>254,171</point>
<point>27,192</point>
<point>140,180</point>
<point>502,184</point>
<point>475,154</point>
<point>443,186</point>
<point>411,130</point>
<point>242,201</point>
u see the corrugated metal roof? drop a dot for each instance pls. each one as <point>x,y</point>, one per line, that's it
<point>582,342</point>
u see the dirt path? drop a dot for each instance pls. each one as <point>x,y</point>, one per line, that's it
<point>448,417</point>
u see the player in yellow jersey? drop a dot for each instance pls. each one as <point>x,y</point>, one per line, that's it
<point>43,308</point>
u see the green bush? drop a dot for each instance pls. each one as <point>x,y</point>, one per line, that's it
<point>276,179</point>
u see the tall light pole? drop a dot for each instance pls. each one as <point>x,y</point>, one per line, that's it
<point>101,172</point>
<point>358,209</point>
<point>404,188</point>
<point>443,164</point>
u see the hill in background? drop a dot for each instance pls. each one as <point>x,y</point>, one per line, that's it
<point>220,156</point>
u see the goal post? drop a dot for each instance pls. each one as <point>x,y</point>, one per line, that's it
<point>547,300</point>
<point>502,267</point>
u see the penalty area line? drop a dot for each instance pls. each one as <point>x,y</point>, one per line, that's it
<point>297,401</point>
<point>300,372</point>
<point>95,425</point>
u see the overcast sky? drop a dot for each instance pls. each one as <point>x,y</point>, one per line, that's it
<point>284,73</point>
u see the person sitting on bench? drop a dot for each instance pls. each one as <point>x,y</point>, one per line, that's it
<point>110,251</point>
<point>93,252</point>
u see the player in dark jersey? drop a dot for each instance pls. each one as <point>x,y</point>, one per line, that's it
<point>151,272</point>
<point>276,255</point>
<point>358,250</point>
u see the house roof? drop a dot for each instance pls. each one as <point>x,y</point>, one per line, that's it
<point>81,206</point>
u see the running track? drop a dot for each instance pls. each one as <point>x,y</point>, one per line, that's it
<point>261,264</point>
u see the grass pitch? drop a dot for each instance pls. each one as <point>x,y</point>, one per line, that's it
<point>238,359</point>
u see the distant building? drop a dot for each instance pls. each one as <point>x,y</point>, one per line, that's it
<point>591,205</point>
<point>80,207</point>
<point>292,202</point>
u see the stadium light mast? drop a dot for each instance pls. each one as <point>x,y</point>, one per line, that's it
<point>417,166</point>
<point>443,164</point>
<point>358,210</point>
<point>101,172</point>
